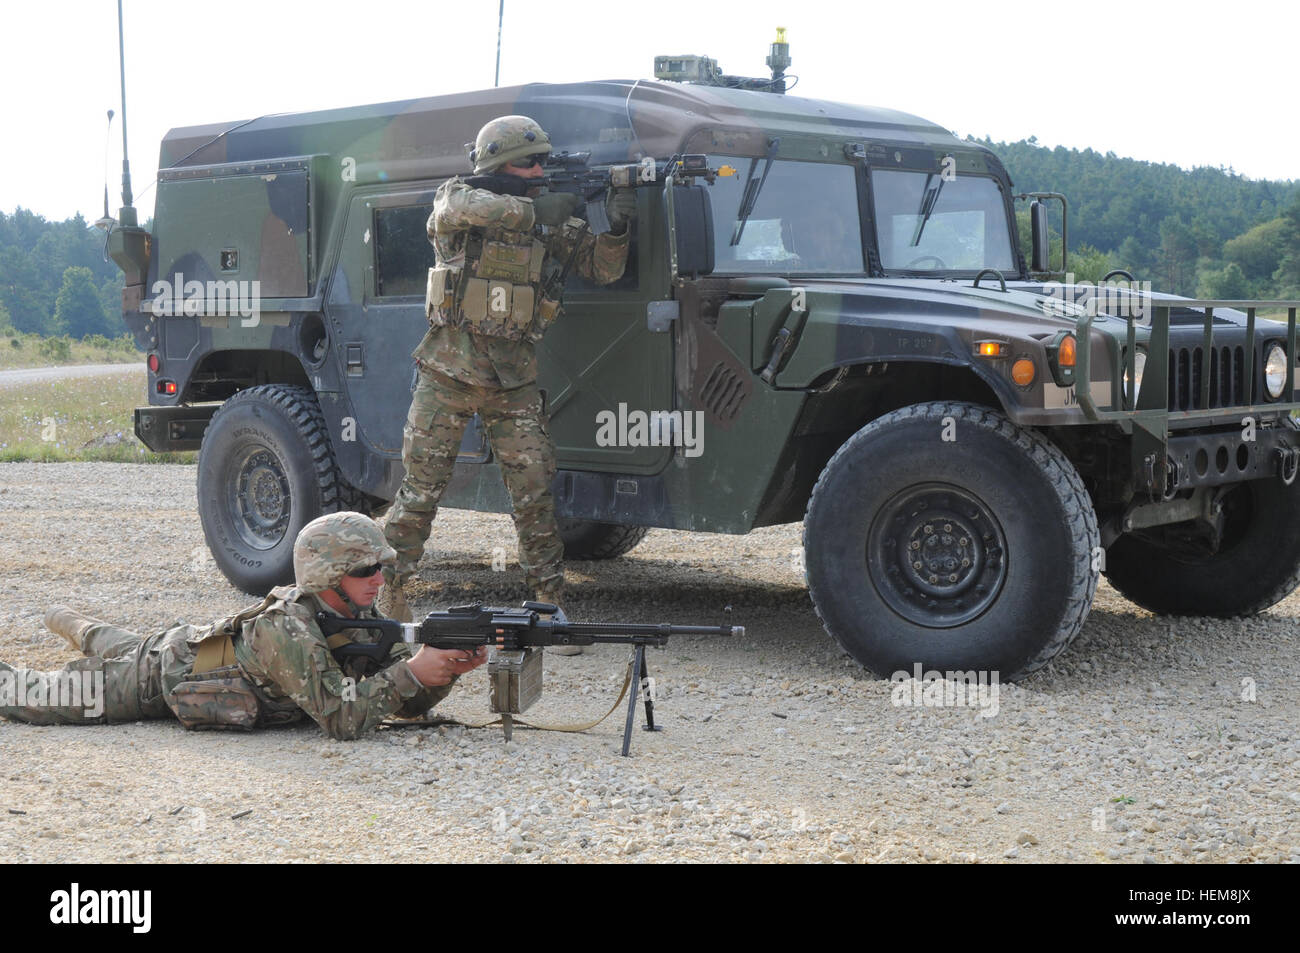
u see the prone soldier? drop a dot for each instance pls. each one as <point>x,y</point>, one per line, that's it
<point>491,297</point>
<point>267,665</point>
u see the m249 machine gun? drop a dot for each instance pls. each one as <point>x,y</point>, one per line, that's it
<point>519,637</point>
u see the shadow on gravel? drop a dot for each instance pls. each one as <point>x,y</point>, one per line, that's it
<point>637,583</point>
<point>1195,652</point>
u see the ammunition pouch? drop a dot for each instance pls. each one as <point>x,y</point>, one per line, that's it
<point>224,699</point>
<point>440,293</point>
<point>216,694</point>
<point>221,698</point>
<point>516,262</point>
<point>498,296</point>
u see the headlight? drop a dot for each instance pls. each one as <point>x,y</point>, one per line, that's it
<point>1139,365</point>
<point>1275,371</point>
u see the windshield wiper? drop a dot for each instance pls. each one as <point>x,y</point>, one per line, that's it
<point>928,201</point>
<point>749,198</point>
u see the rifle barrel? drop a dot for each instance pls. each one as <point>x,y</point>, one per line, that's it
<point>664,629</point>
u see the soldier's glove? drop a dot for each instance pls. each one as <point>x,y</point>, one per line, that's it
<point>554,208</point>
<point>620,206</point>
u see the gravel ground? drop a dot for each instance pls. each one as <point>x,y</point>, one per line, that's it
<point>1136,745</point>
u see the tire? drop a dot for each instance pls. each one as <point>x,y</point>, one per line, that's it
<point>1026,583</point>
<point>1257,565</point>
<point>587,539</point>
<point>266,469</point>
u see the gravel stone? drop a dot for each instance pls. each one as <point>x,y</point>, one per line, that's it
<point>1139,707</point>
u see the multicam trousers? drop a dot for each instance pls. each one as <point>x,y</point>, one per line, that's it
<point>515,421</point>
<point>124,677</point>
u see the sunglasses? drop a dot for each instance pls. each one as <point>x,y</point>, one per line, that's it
<point>365,572</point>
<point>529,162</point>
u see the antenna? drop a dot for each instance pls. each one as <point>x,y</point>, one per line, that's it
<point>106,222</point>
<point>128,244</point>
<point>126,219</point>
<point>501,17</point>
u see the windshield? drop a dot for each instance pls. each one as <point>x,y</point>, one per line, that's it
<point>804,222</point>
<point>966,229</point>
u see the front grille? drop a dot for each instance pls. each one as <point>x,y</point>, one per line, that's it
<point>1228,386</point>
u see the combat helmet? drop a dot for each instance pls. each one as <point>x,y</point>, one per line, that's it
<point>505,140</point>
<point>331,546</point>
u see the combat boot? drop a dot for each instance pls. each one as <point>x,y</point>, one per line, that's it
<point>391,603</point>
<point>71,625</point>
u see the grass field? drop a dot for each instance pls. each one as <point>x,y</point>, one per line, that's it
<point>32,350</point>
<point>83,418</point>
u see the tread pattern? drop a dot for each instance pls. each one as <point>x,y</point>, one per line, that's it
<point>601,540</point>
<point>1076,504</point>
<point>302,409</point>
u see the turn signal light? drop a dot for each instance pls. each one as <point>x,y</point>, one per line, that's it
<point>1022,372</point>
<point>1065,353</point>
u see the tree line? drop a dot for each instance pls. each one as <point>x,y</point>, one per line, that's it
<point>54,279</point>
<point>1206,233</point>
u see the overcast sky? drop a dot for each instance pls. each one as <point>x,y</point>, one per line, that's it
<point>1187,83</point>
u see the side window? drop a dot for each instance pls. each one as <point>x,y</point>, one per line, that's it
<point>403,253</point>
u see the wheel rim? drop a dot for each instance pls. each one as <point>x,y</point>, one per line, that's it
<point>259,498</point>
<point>937,555</point>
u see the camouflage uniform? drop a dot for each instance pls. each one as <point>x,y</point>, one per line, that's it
<point>488,365</point>
<point>279,651</point>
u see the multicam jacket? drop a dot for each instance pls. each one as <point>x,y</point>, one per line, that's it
<point>486,307</point>
<point>282,651</point>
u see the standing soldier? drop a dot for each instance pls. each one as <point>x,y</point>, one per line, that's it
<point>498,255</point>
<point>267,665</point>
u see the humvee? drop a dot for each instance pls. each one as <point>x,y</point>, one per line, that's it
<point>834,294</point>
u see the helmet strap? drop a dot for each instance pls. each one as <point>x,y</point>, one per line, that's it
<point>347,601</point>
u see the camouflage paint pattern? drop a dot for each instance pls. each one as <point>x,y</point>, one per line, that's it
<point>331,546</point>
<point>281,653</point>
<point>463,373</point>
<point>506,139</point>
<point>137,674</point>
<point>765,444</point>
<point>485,360</point>
<point>515,422</point>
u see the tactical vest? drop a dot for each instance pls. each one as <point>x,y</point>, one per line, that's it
<point>496,292</point>
<point>216,693</point>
